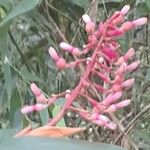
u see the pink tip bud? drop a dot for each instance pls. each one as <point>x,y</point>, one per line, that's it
<point>27,109</point>
<point>90,27</point>
<point>61,63</point>
<point>111,126</point>
<point>116,32</point>
<point>133,66</point>
<point>86,18</point>
<point>88,60</point>
<point>76,51</point>
<point>118,19</point>
<point>123,104</point>
<point>66,46</point>
<point>68,93</point>
<point>99,122</point>
<point>94,116</point>
<point>139,22</point>
<point>37,92</point>
<point>130,53</point>
<point>111,108</point>
<point>111,98</point>
<point>53,53</point>
<point>128,83</point>
<point>35,89</point>
<point>121,69</point>
<point>125,9</point>
<point>39,107</point>
<point>119,61</point>
<point>103,119</point>
<point>127,26</point>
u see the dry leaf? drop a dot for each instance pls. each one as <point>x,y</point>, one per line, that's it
<point>47,131</point>
<point>24,131</point>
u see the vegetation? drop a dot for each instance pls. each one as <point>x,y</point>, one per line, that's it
<point>27,29</point>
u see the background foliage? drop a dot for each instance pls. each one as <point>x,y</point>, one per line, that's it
<point>29,27</point>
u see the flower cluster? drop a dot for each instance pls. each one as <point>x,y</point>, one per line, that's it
<point>106,64</point>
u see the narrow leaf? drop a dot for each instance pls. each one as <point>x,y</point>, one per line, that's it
<point>22,7</point>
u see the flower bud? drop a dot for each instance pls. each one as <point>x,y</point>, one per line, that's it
<point>128,83</point>
<point>133,66</point>
<point>53,53</point>
<point>67,95</point>
<point>40,98</point>
<point>111,108</point>
<point>125,9</point>
<point>88,60</point>
<point>111,98</point>
<point>123,104</point>
<point>139,22</point>
<point>118,19</point>
<point>35,89</point>
<point>116,32</point>
<point>121,69</point>
<point>39,107</point>
<point>66,46</point>
<point>126,26</point>
<point>111,126</point>
<point>27,109</point>
<point>99,122</point>
<point>130,53</point>
<point>119,61</point>
<point>103,119</point>
<point>61,63</point>
<point>86,18</point>
<point>90,27</point>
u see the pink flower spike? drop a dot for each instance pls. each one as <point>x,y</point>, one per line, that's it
<point>27,109</point>
<point>86,18</point>
<point>133,66</point>
<point>125,9</point>
<point>123,104</point>
<point>130,53</point>
<point>35,89</point>
<point>139,22</point>
<point>53,53</point>
<point>128,83</point>
<point>39,107</point>
<point>66,46</point>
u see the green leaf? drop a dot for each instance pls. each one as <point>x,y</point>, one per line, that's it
<point>5,55</point>
<point>148,74</point>
<point>7,76</point>
<point>148,3</point>
<point>15,116</point>
<point>22,7</point>
<point>44,115</point>
<point>28,76</point>
<point>28,143</point>
<point>82,3</point>
<point>55,111</point>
